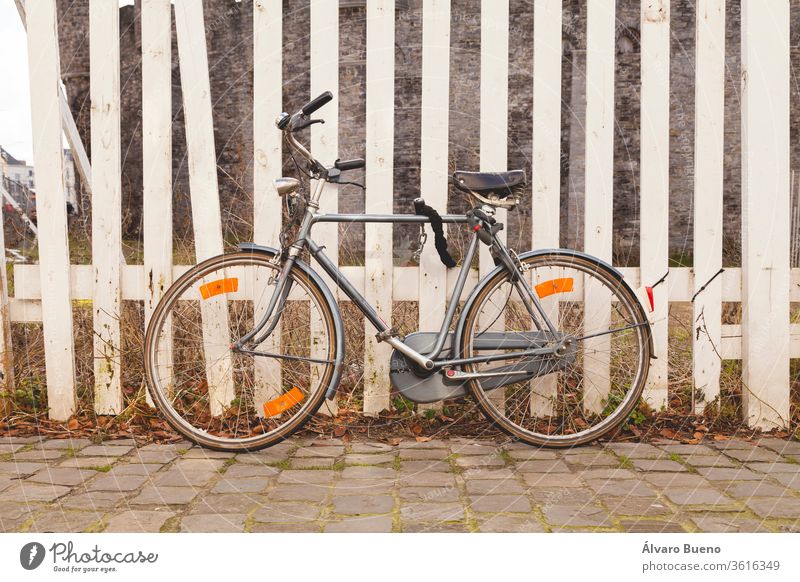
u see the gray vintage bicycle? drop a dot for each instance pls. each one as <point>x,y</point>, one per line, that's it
<point>244,348</point>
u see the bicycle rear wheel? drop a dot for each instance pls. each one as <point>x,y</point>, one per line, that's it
<point>231,400</point>
<point>590,389</point>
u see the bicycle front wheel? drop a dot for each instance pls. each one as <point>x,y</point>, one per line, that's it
<point>581,394</point>
<point>233,400</point>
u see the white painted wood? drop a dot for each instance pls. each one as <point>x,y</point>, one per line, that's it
<point>267,102</point>
<point>546,160</point>
<point>44,76</point>
<point>325,145</point>
<point>600,53</point>
<point>157,164</point>
<point>434,174</point>
<point>765,212</point>
<point>193,57</point>
<point>379,182</point>
<point>655,181</point>
<point>708,209</point>
<point>6,348</point>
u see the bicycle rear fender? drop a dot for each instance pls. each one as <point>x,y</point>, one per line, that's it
<point>334,307</point>
<point>565,253</point>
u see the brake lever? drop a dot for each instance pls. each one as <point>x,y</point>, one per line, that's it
<point>305,123</point>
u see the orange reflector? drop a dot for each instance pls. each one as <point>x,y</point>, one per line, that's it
<point>220,286</point>
<point>555,286</point>
<point>284,402</point>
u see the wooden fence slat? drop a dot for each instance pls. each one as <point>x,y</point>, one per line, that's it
<point>434,175</point>
<point>106,204</point>
<point>193,58</point>
<point>546,159</point>
<point>51,208</point>
<point>379,181</point>
<point>157,162</point>
<point>325,142</point>
<point>267,166</point>
<point>708,208</point>
<point>765,212</point>
<point>600,54</point>
<point>655,181</point>
<point>6,348</point>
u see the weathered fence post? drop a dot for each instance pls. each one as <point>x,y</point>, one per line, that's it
<point>51,209</point>
<point>379,182</point>
<point>6,351</point>
<point>765,212</point>
<point>709,150</point>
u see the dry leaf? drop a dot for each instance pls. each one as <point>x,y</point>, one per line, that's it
<point>668,433</point>
<point>416,428</point>
<point>72,424</point>
<point>338,431</point>
<point>720,437</point>
<point>698,435</point>
<point>394,441</point>
<point>422,439</point>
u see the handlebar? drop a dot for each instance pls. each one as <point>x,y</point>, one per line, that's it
<point>316,103</point>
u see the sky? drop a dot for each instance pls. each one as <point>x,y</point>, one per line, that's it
<point>15,111</point>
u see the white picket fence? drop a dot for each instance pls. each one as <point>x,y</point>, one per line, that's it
<point>765,285</point>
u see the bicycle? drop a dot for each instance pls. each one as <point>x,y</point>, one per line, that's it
<point>243,349</point>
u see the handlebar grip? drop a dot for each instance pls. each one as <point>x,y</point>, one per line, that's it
<point>317,102</point>
<point>345,165</point>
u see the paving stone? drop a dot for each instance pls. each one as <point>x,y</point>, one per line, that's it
<point>500,504</point>
<point>470,449</point>
<point>214,523</point>
<point>369,524</point>
<point>360,504</point>
<point>651,526</point>
<point>9,448</point>
<point>562,496</point>
<point>722,474</point>
<point>638,506</point>
<point>25,492</point>
<point>576,515</point>
<point>307,477</point>
<point>781,446</point>
<point>165,496</point>
<point>676,480</point>
<point>732,444</point>
<point>64,521</point>
<point>266,457</point>
<point>120,442</point>
<point>87,462</point>
<point>688,450</point>
<point>177,477</point>
<point>207,454</point>
<point>695,496</point>
<point>439,527</point>
<point>138,521</point>
<point>21,468</point>
<point>198,465</point>
<point>141,469</point>
<point>152,456</point>
<point>227,503</point>
<point>372,447</point>
<point>658,465</point>
<point>363,486</point>
<point>427,480</point>
<point>238,471</point>
<point>754,455</point>
<point>488,473</point>
<point>747,489</point>
<point>423,454</point>
<point>317,442</point>
<point>299,493</point>
<point>552,480</point>
<point>306,527</point>
<point>62,476</point>
<point>431,494</point>
<point>495,487</point>
<point>510,524</point>
<point>7,481</point>
<point>95,500</point>
<point>317,452</point>
<point>313,463</point>
<point>117,483</point>
<point>424,466</point>
<point>38,455</point>
<point>477,462</point>
<point>609,473</point>
<point>790,480</point>
<point>708,461</point>
<point>715,523</point>
<point>532,454</point>
<point>783,507</point>
<point>367,473</point>
<point>621,487</point>
<point>369,459</point>
<point>556,466</point>
<point>774,468</point>
<point>105,451</point>
<point>287,512</point>
<point>17,440</point>
<point>432,512</point>
<point>636,450</point>
<point>237,485</point>
<point>433,444</point>
<point>599,459</point>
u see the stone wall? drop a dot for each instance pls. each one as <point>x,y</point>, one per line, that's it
<point>229,37</point>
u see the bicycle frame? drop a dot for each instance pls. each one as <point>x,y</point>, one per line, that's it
<point>428,361</point>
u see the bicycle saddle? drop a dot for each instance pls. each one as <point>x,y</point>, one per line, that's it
<point>499,184</point>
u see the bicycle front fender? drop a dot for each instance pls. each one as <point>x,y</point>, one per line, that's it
<point>338,326</point>
<point>563,252</point>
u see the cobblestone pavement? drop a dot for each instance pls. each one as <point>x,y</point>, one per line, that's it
<point>453,485</point>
